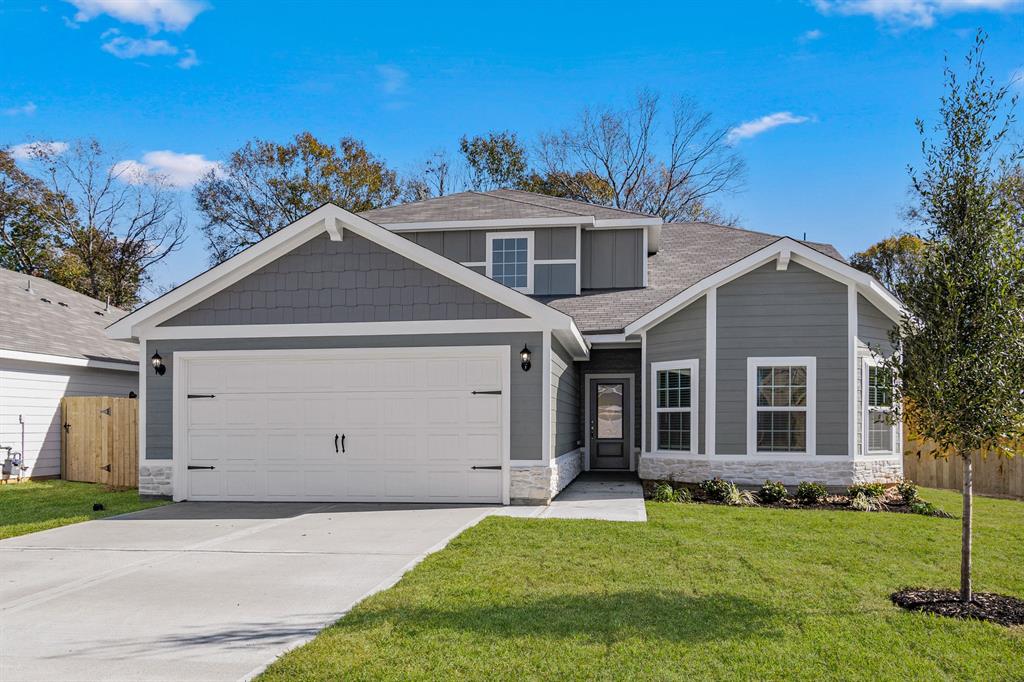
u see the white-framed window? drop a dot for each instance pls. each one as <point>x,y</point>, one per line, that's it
<point>510,259</point>
<point>674,405</point>
<point>879,433</point>
<point>781,405</point>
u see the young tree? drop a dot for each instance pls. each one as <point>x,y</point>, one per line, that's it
<point>111,223</point>
<point>668,168</point>
<point>959,368</point>
<point>265,185</point>
<point>890,259</point>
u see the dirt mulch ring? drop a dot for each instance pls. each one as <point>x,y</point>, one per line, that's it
<point>996,608</point>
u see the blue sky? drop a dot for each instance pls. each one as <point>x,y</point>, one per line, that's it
<point>178,84</point>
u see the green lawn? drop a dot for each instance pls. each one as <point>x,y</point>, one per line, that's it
<point>37,505</point>
<point>698,592</point>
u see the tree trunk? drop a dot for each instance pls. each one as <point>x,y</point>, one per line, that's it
<point>965,541</point>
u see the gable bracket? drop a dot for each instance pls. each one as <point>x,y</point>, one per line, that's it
<point>334,228</point>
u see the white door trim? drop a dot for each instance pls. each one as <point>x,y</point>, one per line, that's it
<point>180,390</point>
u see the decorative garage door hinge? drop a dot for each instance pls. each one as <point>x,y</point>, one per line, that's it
<point>201,395</point>
<point>191,467</point>
<point>487,392</point>
<point>498,466</point>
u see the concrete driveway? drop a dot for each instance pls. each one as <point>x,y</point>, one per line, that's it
<point>201,591</point>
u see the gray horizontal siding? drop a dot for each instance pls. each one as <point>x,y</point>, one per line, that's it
<point>525,402</point>
<point>682,336</point>
<point>613,259</point>
<point>613,361</point>
<point>354,280</point>
<point>565,401</point>
<point>796,312</point>
<point>872,338</point>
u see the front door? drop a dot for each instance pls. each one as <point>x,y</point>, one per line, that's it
<point>609,424</point>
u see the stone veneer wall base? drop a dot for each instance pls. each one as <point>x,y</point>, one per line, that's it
<point>539,484</point>
<point>838,472</point>
<point>155,480</point>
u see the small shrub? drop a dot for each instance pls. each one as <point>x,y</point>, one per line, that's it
<point>869,490</point>
<point>862,502</point>
<point>772,492</point>
<point>810,493</point>
<point>928,509</point>
<point>663,492</point>
<point>684,495</point>
<point>908,491</point>
<point>717,490</point>
<point>743,498</point>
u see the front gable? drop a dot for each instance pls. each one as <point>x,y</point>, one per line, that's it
<point>352,280</point>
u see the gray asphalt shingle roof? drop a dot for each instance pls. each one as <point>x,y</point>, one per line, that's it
<point>497,204</point>
<point>689,252</point>
<point>73,330</point>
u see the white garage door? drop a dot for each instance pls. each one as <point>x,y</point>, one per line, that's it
<point>374,425</point>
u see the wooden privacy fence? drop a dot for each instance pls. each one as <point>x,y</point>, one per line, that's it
<point>993,475</point>
<point>100,440</point>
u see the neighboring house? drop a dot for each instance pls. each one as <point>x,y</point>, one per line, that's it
<point>52,345</point>
<point>377,357</point>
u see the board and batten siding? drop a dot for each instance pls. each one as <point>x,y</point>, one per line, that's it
<point>613,259</point>
<point>681,336</point>
<point>549,243</point>
<point>772,313</point>
<point>565,401</point>
<point>352,280</point>
<point>526,387</point>
<point>872,337</point>
<point>34,390</point>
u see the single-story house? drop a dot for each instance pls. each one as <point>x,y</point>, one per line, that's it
<point>488,346</point>
<point>52,345</point>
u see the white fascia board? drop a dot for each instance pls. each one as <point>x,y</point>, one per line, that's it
<point>804,255</point>
<point>147,318</point>
<point>602,339</point>
<point>417,327</point>
<point>611,223</point>
<point>484,224</point>
<point>126,366</point>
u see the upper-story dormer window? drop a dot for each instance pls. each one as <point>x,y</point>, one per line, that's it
<point>510,259</point>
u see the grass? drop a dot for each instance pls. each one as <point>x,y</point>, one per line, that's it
<point>38,505</point>
<point>700,592</point>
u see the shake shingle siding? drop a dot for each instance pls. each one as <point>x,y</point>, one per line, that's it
<point>768,313</point>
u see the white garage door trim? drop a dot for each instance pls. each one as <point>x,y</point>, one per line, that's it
<point>182,360</point>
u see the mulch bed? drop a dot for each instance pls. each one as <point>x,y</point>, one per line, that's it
<point>995,608</point>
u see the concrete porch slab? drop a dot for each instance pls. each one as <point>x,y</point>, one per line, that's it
<point>601,497</point>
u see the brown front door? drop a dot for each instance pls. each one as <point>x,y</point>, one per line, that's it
<point>609,424</point>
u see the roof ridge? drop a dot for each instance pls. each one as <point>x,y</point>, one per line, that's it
<point>577,201</point>
<point>521,201</point>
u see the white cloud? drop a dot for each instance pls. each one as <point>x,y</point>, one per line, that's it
<point>29,149</point>
<point>754,128</point>
<point>124,47</point>
<point>809,36</point>
<point>179,170</point>
<point>911,13</point>
<point>189,60</point>
<point>155,15</point>
<point>393,79</point>
<point>26,109</point>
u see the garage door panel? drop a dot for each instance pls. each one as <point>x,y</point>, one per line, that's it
<point>412,427</point>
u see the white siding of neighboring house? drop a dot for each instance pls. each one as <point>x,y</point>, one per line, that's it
<point>33,391</point>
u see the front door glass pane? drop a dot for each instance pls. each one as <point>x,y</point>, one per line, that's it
<point>609,410</point>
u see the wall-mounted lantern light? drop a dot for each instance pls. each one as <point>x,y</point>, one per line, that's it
<point>158,364</point>
<point>524,355</point>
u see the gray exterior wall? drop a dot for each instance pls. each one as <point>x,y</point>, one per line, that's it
<point>354,280</point>
<point>565,401</point>
<point>791,313</point>
<point>525,402</point>
<point>613,259</point>
<point>872,337</point>
<point>682,336</point>
<point>549,243</point>
<point>613,361</point>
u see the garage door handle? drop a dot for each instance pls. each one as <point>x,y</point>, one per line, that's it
<point>488,467</point>
<point>195,467</point>
<point>343,443</point>
<point>335,442</point>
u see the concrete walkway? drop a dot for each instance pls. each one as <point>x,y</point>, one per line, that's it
<point>600,496</point>
<point>202,591</point>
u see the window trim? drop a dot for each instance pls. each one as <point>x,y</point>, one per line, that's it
<point>865,418</point>
<point>694,409</point>
<point>810,364</point>
<point>528,236</point>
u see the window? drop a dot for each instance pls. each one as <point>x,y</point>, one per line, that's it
<point>510,259</point>
<point>781,409</point>
<point>674,395</point>
<point>879,432</point>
